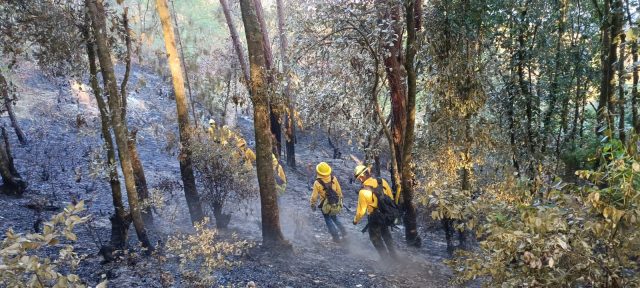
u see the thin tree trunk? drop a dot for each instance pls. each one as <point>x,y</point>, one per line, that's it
<point>271,232</point>
<point>184,65</point>
<point>290,119</point>
<point>127,60</point>
<point>410,222</point>
<point>621,99</point>
<point>8,105</point>
<point>141,180</point>
<point>96,10</point>
<point>634,87</point>
<point>119,220</point>
<point>236,41</point>
<point>186,167</point>
<point>554,91</point>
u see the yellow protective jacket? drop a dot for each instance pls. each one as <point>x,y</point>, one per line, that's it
<point>281,178</point>
<point>318,189</point>
<point>367,202</point>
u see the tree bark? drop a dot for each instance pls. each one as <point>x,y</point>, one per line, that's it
<point>410,222</point>
<point>634,87</point>
<point>621,99</point>
<point>608,59</point>
<point>236,41</point>
<point>119,220</point>
<point>271,232</point>
<point>96,10</point>
<point>554,89</point>
<point>127,61</point>
<point>186,167</point>
<point>140,179</point>
<point>184,65</point>
<point>8,105</point>
<point>13,184</point>
<point>274,114</point>
<point>290,135</point>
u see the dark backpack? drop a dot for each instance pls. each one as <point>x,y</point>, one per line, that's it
<point>331,195</point>
<point>388,211</point>
<point>332,204</point>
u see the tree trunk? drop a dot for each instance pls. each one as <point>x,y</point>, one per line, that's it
<point>554,91</point>
<point>96,10</point>
<point>621,99</point>
<point>127,70</point>
<point>186,167</point>
<point>236,41</point>
<point>634,89</point>
<point>141,180</point>
<point>271,233</point>
<point>119,220</point>
<point>290,134</point>
<point>395,76</point>
<point>13,184</point>
<point>222,220</point>
<point>274,111</point>
<point>184,66</point>
<point>8,105</point>
<point>610,29</point>
<point>410,222</point>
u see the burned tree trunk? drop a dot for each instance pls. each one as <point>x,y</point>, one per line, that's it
<point>140,179</point>
<point>290,132</point>
<point>186,167</point>
<point>13,184</point>
<point>8,105</point>
<point>271,232</point>
<point>119,220</point>
<point>96,10</point>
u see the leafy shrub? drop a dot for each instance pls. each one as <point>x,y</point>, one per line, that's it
<point>22,263</point>
<point>568,236</point>
<point>200,254</point>
<point>221,170</point>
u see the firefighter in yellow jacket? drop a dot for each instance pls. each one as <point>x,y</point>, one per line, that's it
<point>327,189</point>
<point>278,173</point>
<point>246,152</point>
<point>379,234</point>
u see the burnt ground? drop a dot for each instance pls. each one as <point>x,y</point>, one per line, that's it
<point>61,121</point>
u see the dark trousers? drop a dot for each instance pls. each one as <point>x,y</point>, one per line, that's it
<point>381,239</point>
<point>333,225</point>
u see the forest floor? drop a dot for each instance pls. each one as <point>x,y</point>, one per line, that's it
<point>61,121</point>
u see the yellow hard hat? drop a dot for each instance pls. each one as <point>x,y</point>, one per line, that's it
<point>241,143</point>
<point>359,170</point>
<point>212,122</point>
<point>323,169</point>
<point>274,159</point>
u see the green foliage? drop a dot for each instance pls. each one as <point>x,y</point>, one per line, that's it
<point>22,257</point>
<point>569,235</point>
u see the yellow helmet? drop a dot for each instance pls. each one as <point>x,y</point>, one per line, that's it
<point>274,159</point>
<point>323,169</point>
<point>212,122</point>
<point>241,143</point>
<point>360,169</point>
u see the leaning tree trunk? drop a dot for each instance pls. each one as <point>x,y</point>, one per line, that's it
<point>235,40</point>
<point>119,220</point>
<point>184,66</point>
<point>271,232</point>
<point>4,89</point>
<point>96,10</point>
<point>186,167</point>
<point>410,222</point>
<point>13,184</point>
